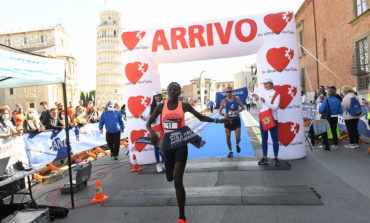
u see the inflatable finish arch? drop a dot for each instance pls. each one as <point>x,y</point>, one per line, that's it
<point>271,36</point>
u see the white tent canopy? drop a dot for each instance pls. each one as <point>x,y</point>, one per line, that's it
<point>20,69</point>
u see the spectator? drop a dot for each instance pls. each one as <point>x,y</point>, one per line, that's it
<point>32,122</point>
<point>350,121</point>
<point>19,118</point>
<point>80,104</point>
<point>92,115</point>
<point>53,122</point>
<point>6,126</point>
<point>321,97</point>
<point>123,111</point>
<point>248,103</point>
<point>45,114</point>
<point>336,95</point>
<point>60,107</point>
<point>210,105</point>
<point>80,119</point>
<point>116,106</point>
<point>70,111</point>
<point>333,107</point>
<point>88,107</point>
<point>112,119</point>
<point>304,98</point>
<point>62,117</point>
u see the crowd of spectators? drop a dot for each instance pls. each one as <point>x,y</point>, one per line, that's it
<point>18,121</point>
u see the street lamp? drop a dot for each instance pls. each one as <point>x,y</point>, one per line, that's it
<point>201,85</point>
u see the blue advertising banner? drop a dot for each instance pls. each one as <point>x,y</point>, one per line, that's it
<point>49,146</point>
<point>241,92</point>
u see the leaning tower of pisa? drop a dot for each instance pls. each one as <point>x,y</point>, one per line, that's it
<point>109,73</point>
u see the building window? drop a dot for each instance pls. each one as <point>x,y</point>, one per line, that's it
<point>115,91</point>
<point>362,64</point>
<point>362,54</point>
<point>32,105</point>
<point>197,85</point>
<point>42,39</point>
<point>11,91</point>
<point>360,6</point>
<point>199,98</point>
<point>114,22</point>
<point>324,48</point>
<point>115,33</point>
<point>25,40</point>
<point>303,79</point>
<point>300,32</point>
<point>109,18</point>
<point>301,42</point>
<point>9,42</point>
<point>363,82</point>
<point>198,92</point>
<point>205,92</point>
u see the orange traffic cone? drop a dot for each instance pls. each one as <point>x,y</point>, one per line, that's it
<point>135,167</point>
<point>368,150</point>
<point>99,195</point>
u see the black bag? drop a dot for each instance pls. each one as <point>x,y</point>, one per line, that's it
<point>326,114</point>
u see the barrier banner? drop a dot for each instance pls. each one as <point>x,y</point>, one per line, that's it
<point>13,147</point>
<point>310,111</point>
<point>49,146</point>
<point>241,92</point>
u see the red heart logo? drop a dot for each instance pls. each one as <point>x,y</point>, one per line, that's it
<point>138,104</point>
<point>131,39</point>
<point>287,132</point>
<point>135,135</point>
<point>287,93</point>
<point>134,71</point>
<point>278,21</point>
<point>279,58</point>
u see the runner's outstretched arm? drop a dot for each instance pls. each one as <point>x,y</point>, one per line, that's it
<point>157,111</point>
<point>188,108</point>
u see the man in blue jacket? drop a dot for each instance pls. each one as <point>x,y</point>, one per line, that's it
<point>332,105</point>
<point>112,119</point>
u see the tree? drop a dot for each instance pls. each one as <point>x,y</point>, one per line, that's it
<point>83,97</point>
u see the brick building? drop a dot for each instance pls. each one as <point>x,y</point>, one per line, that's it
<point>336,32</point>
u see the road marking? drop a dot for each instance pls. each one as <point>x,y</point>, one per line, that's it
<point>250,121</point>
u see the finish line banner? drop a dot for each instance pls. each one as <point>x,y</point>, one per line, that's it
<point>49,146</point>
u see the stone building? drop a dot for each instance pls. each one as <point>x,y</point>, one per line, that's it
<point>50,42</point>
<point>337,33</point>
<point>109,72</point>
<point>191,92</point>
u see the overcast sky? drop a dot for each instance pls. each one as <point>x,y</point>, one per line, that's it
<point>80,18</point>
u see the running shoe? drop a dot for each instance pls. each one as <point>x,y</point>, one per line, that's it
<point>159,168</point>
<point>182,221</point>
<point>163,167</point>
<point>276,162</point>
<point>238,149</point>
<point>231,154</point>
<point>350,146</point>
<point>263,161</point>
<point>334,147</point>
<point>115,157</point>
<point>356,146</point>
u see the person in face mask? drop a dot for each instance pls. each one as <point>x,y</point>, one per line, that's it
<point>6,126</point>
<point>112,120</point>
<point>53,122</point>
<point>32,122</point>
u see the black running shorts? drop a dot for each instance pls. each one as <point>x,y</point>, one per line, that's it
<point>234,125</point>
<point>176,155</point>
